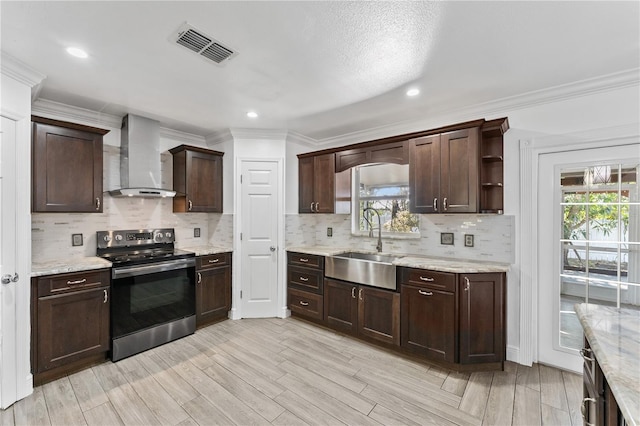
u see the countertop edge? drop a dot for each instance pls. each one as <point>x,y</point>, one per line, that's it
<point>40,269</point>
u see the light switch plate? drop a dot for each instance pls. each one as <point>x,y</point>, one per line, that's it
<point>76,240</point>
<point>468,240</point>
<point>196,232</point>
<point>446,238</point>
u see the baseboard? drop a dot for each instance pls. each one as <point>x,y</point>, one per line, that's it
<point>284,313</point>
<point>513,353</point>
<point>234,315</point>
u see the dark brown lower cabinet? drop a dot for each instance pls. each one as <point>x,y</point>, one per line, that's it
<point>429,322</point>
<point>482,310</point>
<point>213,288</point>
<point>70,323</point>
<point>362,310</point>
<point>599,406</point>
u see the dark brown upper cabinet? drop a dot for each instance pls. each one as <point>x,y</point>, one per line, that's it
<point>197,179</point>
<point>316,184</point>
<point>444,172</point>
<point>66,167</point>
<point>393,152</point>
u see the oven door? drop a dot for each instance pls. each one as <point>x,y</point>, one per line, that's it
<point>145,296</point>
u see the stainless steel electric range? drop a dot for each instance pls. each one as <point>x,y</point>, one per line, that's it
<point>152,289</point>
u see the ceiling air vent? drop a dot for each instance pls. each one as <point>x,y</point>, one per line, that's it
<point>202,44</point>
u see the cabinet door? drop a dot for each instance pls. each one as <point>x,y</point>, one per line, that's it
<point>204,182</point>
<point>305,184</point>
<point>324,183</point>
<point>341,305</point>
<point>213,294</point>
<point>481,318</point>
<point>72,326</point>
<point>459,179</point>
<point>429,322</point>
<point>424,174</point>
<point>67,170</point>
<point>379,314</point>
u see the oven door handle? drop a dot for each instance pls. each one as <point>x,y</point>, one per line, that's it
<point>152,268</point>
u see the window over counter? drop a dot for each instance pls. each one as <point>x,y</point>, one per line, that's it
<point>382,188</point>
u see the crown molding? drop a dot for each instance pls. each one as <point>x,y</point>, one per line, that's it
<point>265,134</point>
<point>217,138</point>
<point>184,137</point>
<point>60,111</point>
<point>20,71</point>
<point>609,82</point>
<point>301,139</point>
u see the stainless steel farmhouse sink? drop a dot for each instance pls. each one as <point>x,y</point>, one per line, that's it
<point>376,270</point>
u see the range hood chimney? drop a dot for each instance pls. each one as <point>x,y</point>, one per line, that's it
<point>140,159</point>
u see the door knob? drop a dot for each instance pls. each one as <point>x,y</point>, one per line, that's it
<point>6,279</point>
<point>272,248</point>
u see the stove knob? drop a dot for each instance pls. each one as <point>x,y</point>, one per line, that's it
<point>118,237</point>
<point>106,238</point>
<point>167,234</point>
<point>158,237</point>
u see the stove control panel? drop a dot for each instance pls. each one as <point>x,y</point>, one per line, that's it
<point>135,237</point>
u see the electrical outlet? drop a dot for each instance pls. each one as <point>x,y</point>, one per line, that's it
<point>76,239</point>
<point>196,232</point>
<point>329,232</point>
<point>468,240</point>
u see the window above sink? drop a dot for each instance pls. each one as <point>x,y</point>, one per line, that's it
<point>383,187</point>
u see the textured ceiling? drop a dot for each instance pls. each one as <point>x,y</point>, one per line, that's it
<point>321,69</point>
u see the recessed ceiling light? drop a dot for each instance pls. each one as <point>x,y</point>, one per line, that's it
<point>77,52</point>
<point>252,114</point>
<point>413,92</point>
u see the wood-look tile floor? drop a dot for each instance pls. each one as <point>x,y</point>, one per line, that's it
<point>288,372</point>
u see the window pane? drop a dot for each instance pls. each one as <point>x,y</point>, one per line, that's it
<point>575,222</point>
<point>572,290</point>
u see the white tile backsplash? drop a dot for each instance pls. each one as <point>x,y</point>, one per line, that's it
<point>493,235</point>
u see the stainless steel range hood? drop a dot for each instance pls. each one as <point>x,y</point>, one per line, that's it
<point>140,159</point>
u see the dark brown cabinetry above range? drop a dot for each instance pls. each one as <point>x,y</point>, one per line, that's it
<point>66,167</point>
<point>213,288</point>
<point>452,169</point>
<point>197,179</point>
<point>69,322</point>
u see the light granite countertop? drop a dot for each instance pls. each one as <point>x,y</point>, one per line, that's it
<point>614,336</point>
<point>412,261</point>
<point>207,249</point>
<point>79,264</point>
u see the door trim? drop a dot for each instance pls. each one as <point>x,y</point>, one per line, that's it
<point>236,309</point>
<point>530,152</point>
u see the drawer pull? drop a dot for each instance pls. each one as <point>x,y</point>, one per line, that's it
<point>106,296</point>
<point>583,410</point>
<point>427,279</point>
<point>353,292</point>
<point>303,259</point>
<point>214,260</point>
<point>304,303</point>
<point>199,278</point>
<point>303,279</point>
<point>84,280</point>
<point>586,357</point>
<point>425,293</point>
<point>360,294</point>
<point>467,283</point>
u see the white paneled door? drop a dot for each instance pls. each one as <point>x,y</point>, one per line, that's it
<point>259,238</point>
<point>8,268</point>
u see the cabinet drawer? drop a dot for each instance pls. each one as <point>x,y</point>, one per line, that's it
<point>212,260</point>
<point>306,304</point>
<point>305,279</point>
<point>63,283</point>
<point>425,278</point>
<point>308,260</point>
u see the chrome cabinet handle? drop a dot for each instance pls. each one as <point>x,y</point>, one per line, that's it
<point>425,293</point>
<point>303,259</point>
<point>214,260</point>
<point>98,203</point>
<point>84,280</point>
<point>583,410</point>
<point>427,279</point>
<point>317,207</point>
<point>353,292</point>
<point>444,204</point>
<point>466,283</point>
<point>360,294</point>
<point>435,204</point>
<point>199,277</point>
<point>304,303</point>
<point>311,207</point>
<point>6,279</point>
<point>303,279</point>
<point>586,357</point>
<point>106,296</point>
<point>190,205</point>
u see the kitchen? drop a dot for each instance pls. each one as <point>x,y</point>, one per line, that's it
<point>579,109</point>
